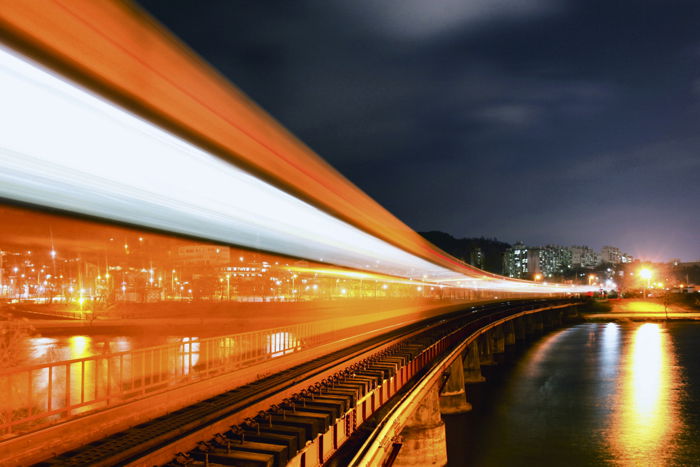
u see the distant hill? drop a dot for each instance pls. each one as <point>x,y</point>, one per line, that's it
<point>484,253</point>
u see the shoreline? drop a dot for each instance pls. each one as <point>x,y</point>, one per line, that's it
<point>640,316</point>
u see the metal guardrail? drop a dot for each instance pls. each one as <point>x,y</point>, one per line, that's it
<point>36,396</point>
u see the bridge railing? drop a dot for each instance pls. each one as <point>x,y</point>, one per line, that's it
<point>32,397</point>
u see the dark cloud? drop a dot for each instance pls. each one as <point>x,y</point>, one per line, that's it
<point>549,121</point>
<point>420,20</point>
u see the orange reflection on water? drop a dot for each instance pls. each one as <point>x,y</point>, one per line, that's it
<point>646,419</point>
<point>79,346</point>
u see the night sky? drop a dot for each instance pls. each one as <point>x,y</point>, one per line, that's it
<point>546,121</point>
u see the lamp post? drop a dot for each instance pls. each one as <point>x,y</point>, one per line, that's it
<point>645,273</point>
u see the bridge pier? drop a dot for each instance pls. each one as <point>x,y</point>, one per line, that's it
<point>453,397</point>
<point>472,365</point>
<point>529,325</point>
<point>486,349</point>
<point>550,319</point>
<point>544,318</point>
<point>520,331</point>
<point>558,318</point>
<point>424,441</point>
<point>509,331</point>
<point>498,340</point>
<point>537,324</point>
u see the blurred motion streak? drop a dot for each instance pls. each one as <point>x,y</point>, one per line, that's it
<point>116,49</point>
<point>222,218</point>
<point>58,269</point>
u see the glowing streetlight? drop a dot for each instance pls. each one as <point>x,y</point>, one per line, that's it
<point>645,273</point>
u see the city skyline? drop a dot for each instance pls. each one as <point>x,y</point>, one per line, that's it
<point>595,247</point>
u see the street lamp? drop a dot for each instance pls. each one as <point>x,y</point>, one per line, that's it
<point>645,273</point>
<point>591,279</point>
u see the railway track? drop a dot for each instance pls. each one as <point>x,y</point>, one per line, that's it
<point>300,416</point>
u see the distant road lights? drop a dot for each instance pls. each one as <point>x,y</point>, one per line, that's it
<point>538,277</point>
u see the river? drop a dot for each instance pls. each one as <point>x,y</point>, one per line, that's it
<point>591,394</point>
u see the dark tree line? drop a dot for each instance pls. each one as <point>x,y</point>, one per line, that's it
<point>485,253</point>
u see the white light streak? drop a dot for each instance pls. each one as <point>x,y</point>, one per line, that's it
<point>64,147</point>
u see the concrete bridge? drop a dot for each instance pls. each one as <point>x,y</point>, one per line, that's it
<point>413,433</point>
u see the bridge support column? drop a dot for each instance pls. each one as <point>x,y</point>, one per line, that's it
<point>472,365</point>
<point>529,325</point>
<point>520,331</point>
<point>537,322</point>
<point>486,349</point>
<point>499,341</point>
<point>509,331</point>
<point>453,397</point>
<point>546,318</point>
<point>423,436</point>
<point>558,317</point>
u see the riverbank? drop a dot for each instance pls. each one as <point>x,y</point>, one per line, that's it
<point>625,310</point>
<point>650,316</point>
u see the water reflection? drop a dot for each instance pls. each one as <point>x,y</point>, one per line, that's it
<point>88,372</point>
<point>281,343</point>
<point>189,353</point>
<point>646,421</point>
<point>610,350</point>
<point>79,346</point>
<point>594,394</point>
<point>42,349</point>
